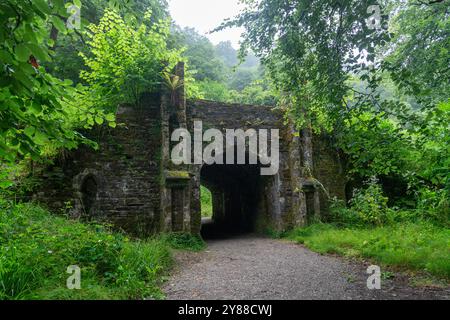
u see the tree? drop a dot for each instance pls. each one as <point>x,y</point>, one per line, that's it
<point>259,92</point>
<point>214,90</point>
<point>200,53</point>
<point>418,62</point>
<point>228,54</point>
<point>383,92</point>
<point>41,114</point>
<point>124,61</point>
<point>37,109</point>
<point>66,62</point>
<point>309,49</point>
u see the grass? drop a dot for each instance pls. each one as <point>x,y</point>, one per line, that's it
<point>420,246</point>
<point>184,241</point>
<point>206,202</point>
<point>37,247</point>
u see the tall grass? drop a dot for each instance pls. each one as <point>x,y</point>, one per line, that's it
<point>420,246</point>
<point>415,239</point>
<point>37,247</point>
<point>184,241</point>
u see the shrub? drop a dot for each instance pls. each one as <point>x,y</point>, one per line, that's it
<point>16,278</point>
<point>37,248</point>
<point>368,207</point>
<point>434,205</point>
<point>369,204</point>
<point>140,266</point>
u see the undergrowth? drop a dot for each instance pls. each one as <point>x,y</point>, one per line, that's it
<point>37,247</point>
<point>411,239</point>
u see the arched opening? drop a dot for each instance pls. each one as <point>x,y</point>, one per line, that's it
<point>236,194</point>
<point>89,194</point>
<point>206,202</point>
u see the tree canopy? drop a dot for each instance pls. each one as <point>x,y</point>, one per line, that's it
<point>374,77</point>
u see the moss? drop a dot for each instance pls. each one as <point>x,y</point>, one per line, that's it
<point>178,175</point>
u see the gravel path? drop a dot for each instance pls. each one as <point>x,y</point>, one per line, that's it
<point>260,268</point>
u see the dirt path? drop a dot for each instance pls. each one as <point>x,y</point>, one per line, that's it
<point>260,268</point>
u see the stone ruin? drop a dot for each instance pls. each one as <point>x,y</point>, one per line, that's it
<point>131,182</point>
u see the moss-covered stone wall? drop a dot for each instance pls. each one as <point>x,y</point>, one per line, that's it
<point>123,173</point>
<point>131,182</point>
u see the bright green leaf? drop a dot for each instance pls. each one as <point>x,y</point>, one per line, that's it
<point>22,52</point>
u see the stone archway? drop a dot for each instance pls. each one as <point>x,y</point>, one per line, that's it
<point>86,186</point>
<point>130,180</point>
<point>236,195</point>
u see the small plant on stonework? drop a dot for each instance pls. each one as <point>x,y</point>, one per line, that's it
<point>173,83</point>
<point>68,205</point>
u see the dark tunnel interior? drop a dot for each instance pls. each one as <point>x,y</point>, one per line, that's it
<point>236,192</point>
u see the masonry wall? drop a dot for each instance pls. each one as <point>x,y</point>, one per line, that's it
<point>279,205</point>
<point>329,170</point>
<point>119,183</point>
<point>131,182</point>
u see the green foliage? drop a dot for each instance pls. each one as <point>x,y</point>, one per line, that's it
<point>215,91</point>
<point>377,146</point>
<point>141,265</point>
<point>184,241</point>
<point>227,53</point>
<point>309,56</point>
<point>434,205</point>
<point>259,92</point>
<point>382,93</point>
<point>66,62</point>
<point>420,246</point>
<point>417,151</point>
<point>368,207</point>
<point>39,112</point>
<point>200,53</point>
<point>206,202</point>
<point>217,69</point>
<point>37,248</point>
<point>33,103</point>
<point>125,61</point>
<point>124,56</point>
<point>370,204</point>
<point>419,50</point>
<point>242,77</point>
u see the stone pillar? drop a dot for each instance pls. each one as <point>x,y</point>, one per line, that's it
<point>176,180</point>
<point>274,201</point>
<point>195,215</point>
<point>309,185</point>
<point>298,197</point>
<point>180,95</point>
